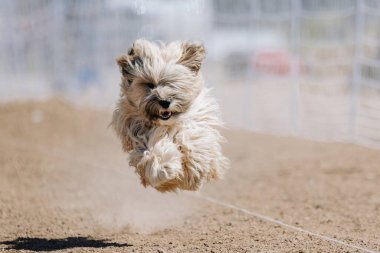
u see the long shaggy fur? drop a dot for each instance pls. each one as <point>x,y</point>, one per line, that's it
<point>166,119</point>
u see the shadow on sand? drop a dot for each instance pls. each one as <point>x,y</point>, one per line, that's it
<point>42,244</point>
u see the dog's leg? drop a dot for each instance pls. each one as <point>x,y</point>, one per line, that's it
<point>160,163</point>
<point>201,156</point>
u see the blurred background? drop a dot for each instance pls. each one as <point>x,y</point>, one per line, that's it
<point>309,68</point>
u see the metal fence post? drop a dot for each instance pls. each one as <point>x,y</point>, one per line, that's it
<point>356,70</point>
<point>295,66</point>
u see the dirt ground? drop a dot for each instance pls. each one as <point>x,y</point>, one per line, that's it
<point>65,186</point>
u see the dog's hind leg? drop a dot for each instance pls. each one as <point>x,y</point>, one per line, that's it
<point>202,159</point>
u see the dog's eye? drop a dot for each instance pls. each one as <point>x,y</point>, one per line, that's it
<point>150,85</point>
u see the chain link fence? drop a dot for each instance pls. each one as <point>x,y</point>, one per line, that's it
<point>309,68</point>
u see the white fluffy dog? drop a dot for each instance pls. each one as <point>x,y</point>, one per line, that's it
<point>165,117</point>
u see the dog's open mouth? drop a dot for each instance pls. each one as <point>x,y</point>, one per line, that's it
<point>165,115</point>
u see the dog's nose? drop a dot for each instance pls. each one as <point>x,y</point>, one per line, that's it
<point>164,103</point>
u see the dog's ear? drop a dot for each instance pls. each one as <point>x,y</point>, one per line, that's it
<point>123,62</point>
<point>127,63</point>
<point>192,55</point>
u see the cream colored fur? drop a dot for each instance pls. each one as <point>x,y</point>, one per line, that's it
<point>176,147</point>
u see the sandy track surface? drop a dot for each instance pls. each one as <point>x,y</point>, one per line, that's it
<point>65,186</point>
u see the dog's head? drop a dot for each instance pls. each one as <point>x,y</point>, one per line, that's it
<point>161,81</point>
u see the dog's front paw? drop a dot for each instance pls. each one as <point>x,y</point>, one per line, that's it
<point>161,164</point>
